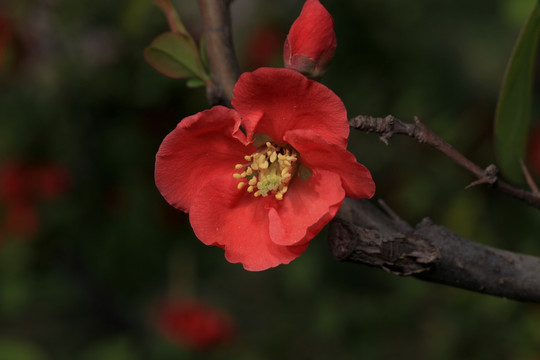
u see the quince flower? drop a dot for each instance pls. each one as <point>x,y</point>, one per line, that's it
<point>311,42</point>
<point>262,179</point>
<point>194,324</point>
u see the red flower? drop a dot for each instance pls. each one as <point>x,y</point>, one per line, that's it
<point>262,193</point>
<point>22,186</point>
<point>311,43</point>
<point>194,324</point>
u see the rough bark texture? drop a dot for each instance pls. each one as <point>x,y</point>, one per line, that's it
<point>362,233</point>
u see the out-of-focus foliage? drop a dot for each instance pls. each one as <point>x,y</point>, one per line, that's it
<point>514,105</point>
<point>75,91</point>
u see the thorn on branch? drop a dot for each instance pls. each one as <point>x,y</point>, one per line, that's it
<point>529,179</point>
<point>489,177</point>
<point>390,125</point>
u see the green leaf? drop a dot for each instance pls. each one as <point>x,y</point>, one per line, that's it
<point>514,105</point>
<point>175,56</point>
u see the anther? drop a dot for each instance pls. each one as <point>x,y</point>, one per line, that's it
<point>279,196</point>
<point>238,166</point>
<point>241,185</point>
<point>237,176</point>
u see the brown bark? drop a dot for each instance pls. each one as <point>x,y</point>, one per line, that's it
<point>219,47</point>
<point>362,233</point>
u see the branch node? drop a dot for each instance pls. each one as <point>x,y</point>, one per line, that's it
<point>388,126</point>
<point>489,177</point>
<point>363,234</point>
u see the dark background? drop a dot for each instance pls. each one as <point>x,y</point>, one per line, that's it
<point>75,91</point>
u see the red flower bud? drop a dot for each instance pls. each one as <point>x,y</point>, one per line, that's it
<point>311,43</point>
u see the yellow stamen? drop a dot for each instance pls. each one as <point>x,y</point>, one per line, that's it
<point>268,172</point>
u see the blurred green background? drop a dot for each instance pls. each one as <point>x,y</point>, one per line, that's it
<point>107,249</point>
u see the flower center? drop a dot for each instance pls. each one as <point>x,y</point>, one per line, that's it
<point>269,172</point>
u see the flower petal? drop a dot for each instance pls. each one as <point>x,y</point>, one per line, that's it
<point>202,146</point>
<point>274,101</point>
<point>307,206</point>
<point>236,221</point>
<point>316,153</point>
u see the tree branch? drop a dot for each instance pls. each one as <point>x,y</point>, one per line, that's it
<point>220,50</point>
<point>388,126</point>
<point>362,233</point>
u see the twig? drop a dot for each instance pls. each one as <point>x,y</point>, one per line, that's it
<point>388,126</point>
<point>220,50</point>
<point>529,179</point>
<point>362,233</point>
